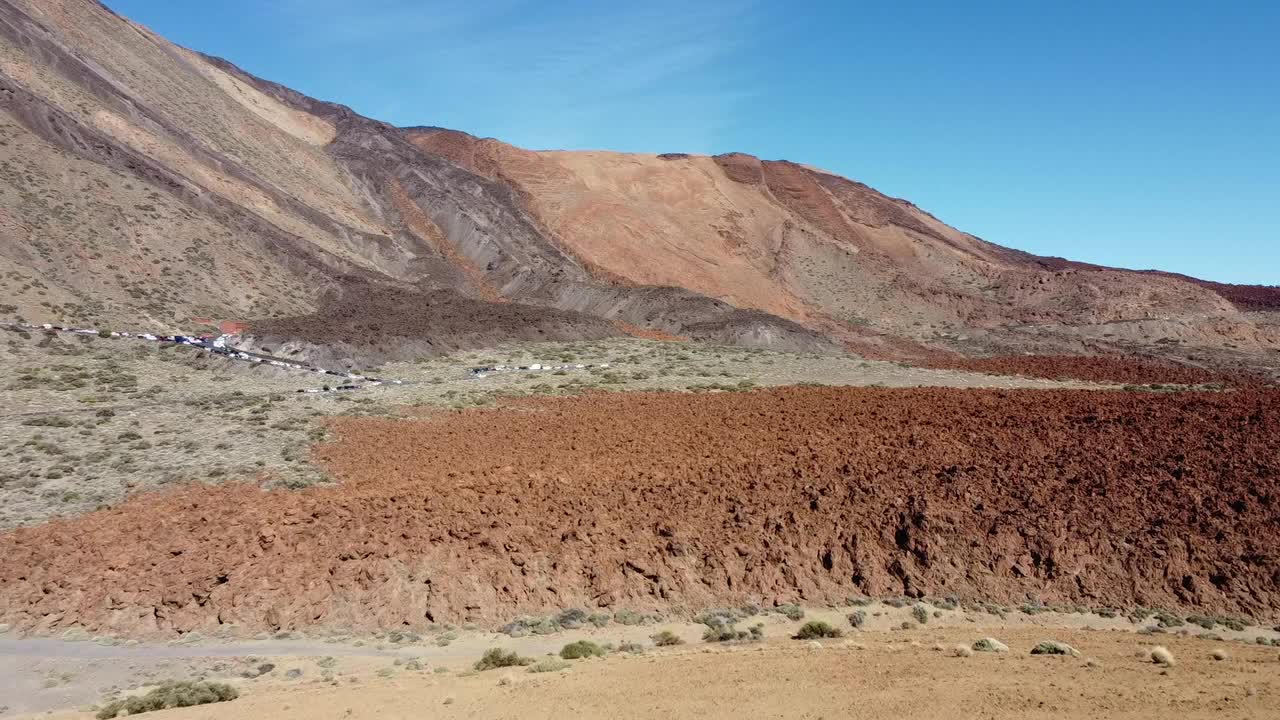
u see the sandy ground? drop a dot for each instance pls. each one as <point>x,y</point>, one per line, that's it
<point>906,674</point>
<point>378,677</point>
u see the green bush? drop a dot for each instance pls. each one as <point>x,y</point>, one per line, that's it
<point>498,658</point>
<point>920,613</point>
<point>582,649</point>
<point>169,695</point>
<point>666,638</point>
<point>858,618</point>
<point>816,629</point>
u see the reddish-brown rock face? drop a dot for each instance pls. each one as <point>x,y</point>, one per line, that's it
<point>641,501</point>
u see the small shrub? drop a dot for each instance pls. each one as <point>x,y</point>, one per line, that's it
<point>897,602</point>
<point>731,634</point>
<point>631,648</point>
<point>1233,623</point>
<point>1202,620</point>
<point>857,601</point>
<point>1139,614</point>
<point>666,638</point>
<point>1053,647</point>
<point>521,627</point>
<point>816,629</point>
<point>582,649</point>
<point>169,695</point>
<point>1107,613</point>
<point>858,618</point>
<point>990,645</point>
<point>718,617</point>
<point>1219,654</point>
<point>1160,655</point>
<point>599,619</point>
<point>631,617</point>
<point>920,613</point>
<point>1168,620</point>
<point>498,658</point>
<point>572,619</point>
<point>549,665</point>
<point>949,603</point>
<point>791,611</point>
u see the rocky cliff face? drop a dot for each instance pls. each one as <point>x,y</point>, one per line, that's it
<point>145,184</point>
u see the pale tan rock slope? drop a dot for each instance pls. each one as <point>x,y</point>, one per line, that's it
<point>143,183</point>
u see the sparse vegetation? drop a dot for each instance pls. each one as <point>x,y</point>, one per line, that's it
<point>920,613</point>
<point>815,629</point>
<point>1160,655</point>
<point>169,695</point>
<point>1219,654</point>
<point>858,618</point>
<point>498,658</point>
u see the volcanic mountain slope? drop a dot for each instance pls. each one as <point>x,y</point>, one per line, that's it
<point>143,183</point>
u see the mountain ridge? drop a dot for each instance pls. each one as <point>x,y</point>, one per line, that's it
<point>145,183</point>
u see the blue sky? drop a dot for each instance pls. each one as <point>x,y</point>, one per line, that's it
<point>1134,134</point>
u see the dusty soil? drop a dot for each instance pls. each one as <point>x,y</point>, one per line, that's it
<point>874,675</point>
<point>654,500</point>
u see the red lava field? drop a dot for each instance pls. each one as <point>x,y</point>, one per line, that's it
<point>658,500</point>
<point>1091,368</point>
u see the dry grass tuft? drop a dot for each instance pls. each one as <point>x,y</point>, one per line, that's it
<point>1160,655</point>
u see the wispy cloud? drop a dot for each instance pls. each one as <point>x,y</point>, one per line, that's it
<point>568,74</point>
